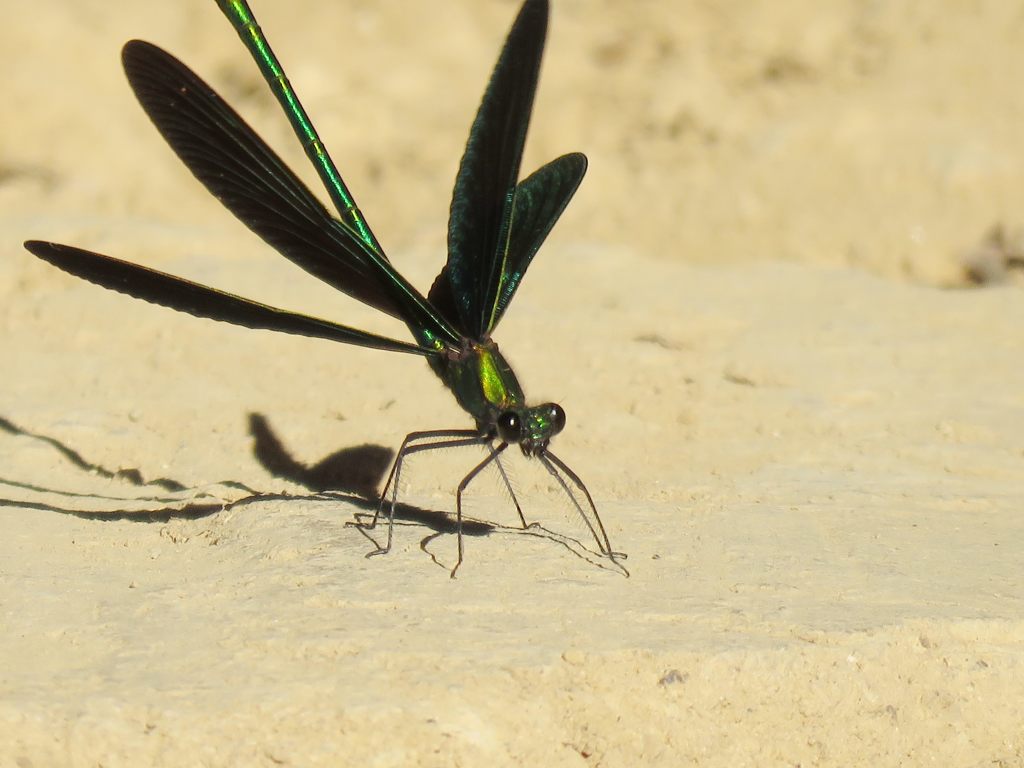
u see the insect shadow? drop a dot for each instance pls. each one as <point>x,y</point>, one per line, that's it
<point>171,498</point>
<point>355,473</point>
<point>167,493</point>
<point>350,474</point>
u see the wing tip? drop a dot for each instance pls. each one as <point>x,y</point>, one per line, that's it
<point>44,249</point>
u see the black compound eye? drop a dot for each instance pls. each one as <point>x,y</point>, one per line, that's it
<point>557,416</point>
<point>510,427</point>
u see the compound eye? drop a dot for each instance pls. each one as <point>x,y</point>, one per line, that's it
<point>557,416</point>
<point>510,427</point>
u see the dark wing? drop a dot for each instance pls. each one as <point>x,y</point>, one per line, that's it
<point>540,199</point>
<point>482,202</point>
<point>200,301</point>
<point>241,171</point>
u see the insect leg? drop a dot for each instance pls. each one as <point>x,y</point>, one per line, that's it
<point>511,492</point>
<point>493,456</point>
<point>552,463</point>
<point>442,438</point>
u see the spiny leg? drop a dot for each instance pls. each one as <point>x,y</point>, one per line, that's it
<point>493,456</point>
<point>396,466</point>
<point>552,463</point>
<point>443,438</point>
<point>511,492</point>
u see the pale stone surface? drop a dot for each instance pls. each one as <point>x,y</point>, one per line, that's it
<point>810,446</point>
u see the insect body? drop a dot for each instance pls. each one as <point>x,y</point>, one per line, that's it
<point>496,225</point>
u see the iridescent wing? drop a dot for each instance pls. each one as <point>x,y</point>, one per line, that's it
<point>201,301</point>
<point>496,226</point>
<point>248,177</point>
<point>484,194</point>
<point>539,201</point>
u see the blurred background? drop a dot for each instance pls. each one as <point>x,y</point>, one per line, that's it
<point>880,135</point>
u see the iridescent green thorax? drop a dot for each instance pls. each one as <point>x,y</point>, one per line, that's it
<point>485,386</point>
<point>481,380</point>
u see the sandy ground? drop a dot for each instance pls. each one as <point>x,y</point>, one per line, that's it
<point>798,416</point>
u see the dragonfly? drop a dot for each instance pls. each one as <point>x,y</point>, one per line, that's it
<point>496,225</point>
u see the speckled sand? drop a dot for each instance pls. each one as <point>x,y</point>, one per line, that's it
<point>800,422</point>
